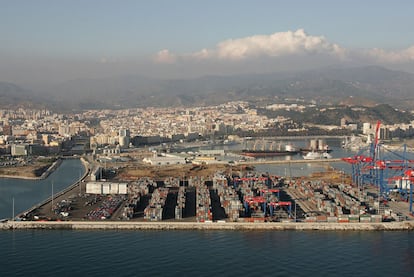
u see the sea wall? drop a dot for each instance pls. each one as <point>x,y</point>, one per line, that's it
<point>116,225</point>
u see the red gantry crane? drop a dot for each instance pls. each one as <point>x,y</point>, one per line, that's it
<point>381,168</point>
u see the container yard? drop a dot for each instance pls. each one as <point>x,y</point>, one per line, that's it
<point>251,197</point>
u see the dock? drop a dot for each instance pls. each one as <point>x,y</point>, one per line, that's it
<point>254,162</point>
<point>231,226</point>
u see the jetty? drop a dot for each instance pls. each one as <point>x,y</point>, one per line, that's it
<point>232,226</point>
<point>255,162</point>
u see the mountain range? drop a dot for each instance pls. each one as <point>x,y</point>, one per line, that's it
<point>369,85</point>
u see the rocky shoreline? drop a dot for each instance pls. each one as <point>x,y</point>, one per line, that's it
<point>233,226</point>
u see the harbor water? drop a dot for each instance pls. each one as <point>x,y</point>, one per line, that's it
<point>206,253</point>
<point>195,253</point>
<point>27,193</point>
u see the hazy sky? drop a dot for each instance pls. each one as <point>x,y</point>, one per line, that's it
<point>59,40</point>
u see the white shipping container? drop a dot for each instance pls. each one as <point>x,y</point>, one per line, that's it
<point>106,188</point>
<point>113,189</point>
<point>94,191</point>
<point>93,188</point>
<point>122,188</point>
<point>332,219</point>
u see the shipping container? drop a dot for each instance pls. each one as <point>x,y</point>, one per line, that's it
<point>321,218</point>
<point>332,219</point>
<point>122,188</point>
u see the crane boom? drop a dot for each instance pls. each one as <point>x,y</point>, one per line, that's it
<point>377,128</point>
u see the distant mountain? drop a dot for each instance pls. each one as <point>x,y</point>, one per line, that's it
<point>12,96</point>
<point>368,85</point>
<point>332,116</point>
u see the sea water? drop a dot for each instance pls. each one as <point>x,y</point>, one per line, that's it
<point>190,253</point>
<point>206,253</point>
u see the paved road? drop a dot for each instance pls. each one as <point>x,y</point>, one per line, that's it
<point>287,162</point>
<point>400,208</point>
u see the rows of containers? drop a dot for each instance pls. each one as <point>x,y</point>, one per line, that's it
<point>260,201</point>
<point>136,191</point>
<point>328,199</point>
<point>345,218</point>
<point>154,210</point>
<point>180,206</point>
<point>229,198</point>
<point>203,200</point>
<point>248,187</point>
<point>334,203</point>
<point>155,207</point>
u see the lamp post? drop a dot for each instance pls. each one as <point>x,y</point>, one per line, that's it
<point>52,197</point>
<point>13,210</point>
<point>295,208</point>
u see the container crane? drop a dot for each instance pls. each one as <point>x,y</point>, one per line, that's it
<point>380,171</point>
<point>260,200</point>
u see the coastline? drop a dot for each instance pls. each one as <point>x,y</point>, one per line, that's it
<point>231,226</point>
<point>69,188</point>
<point>44,175</point>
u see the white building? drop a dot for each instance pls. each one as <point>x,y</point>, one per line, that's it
<point>106,188</point>
<point>366,128</point>
<point>165,160</point>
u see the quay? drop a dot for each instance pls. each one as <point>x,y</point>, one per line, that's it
<point>231,226</point>
<point>298,205</point>
<point>253,162</point>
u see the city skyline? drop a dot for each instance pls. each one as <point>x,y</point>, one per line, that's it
<point>57,41</point>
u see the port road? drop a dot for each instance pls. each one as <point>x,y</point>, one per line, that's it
<point>287,161</point>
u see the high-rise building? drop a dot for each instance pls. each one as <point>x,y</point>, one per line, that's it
<point>124,137</point>
<point>366,128</point>
<point>124,133</point>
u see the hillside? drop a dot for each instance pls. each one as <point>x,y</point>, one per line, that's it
<point>326,86</point>
<point>13,96</point>
<point>332,115</point>
<point>366,86</point>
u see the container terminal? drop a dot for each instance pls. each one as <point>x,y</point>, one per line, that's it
<point>239,194</point>
<point>241,197</point>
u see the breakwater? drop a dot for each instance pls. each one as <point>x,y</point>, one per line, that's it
<point>116,225</point>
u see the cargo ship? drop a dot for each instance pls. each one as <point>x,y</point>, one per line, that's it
<point>284,150</point>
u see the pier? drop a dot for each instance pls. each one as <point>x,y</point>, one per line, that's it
<point>288,161</point>
<point>232,226</point>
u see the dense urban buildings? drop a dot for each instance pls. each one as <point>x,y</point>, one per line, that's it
<point>41,132</point>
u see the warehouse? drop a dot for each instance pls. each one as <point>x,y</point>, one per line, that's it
<point>106,188</point>
<point>165,159</point>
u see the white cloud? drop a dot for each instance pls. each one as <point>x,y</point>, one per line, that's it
<point>383,56</point>
<point>165,56</point>
<point>274,45</point>
<point>296,46</point>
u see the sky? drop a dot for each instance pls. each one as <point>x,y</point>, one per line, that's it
<point>53,41</point>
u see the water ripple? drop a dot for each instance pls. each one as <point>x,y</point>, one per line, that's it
<point>203,253</point>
